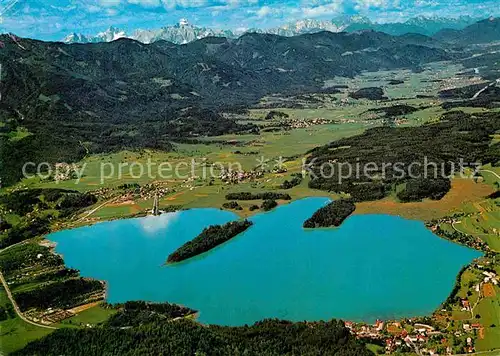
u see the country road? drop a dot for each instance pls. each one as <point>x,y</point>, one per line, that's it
<point>88,213</point>
<point>489,353</point>
<point>486,87</point>
<point>488,171</point>
<point>16,307</point>
<point>11,298</point>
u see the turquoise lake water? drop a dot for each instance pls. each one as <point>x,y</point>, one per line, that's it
<point>373,266</point>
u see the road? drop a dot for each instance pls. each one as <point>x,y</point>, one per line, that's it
<point>486,87</point>
<point>488,171</point>
<point>417,350</point>
<point>95,209</point>
<point>490,353</point>
<point>16,307</point>
<point>6,286</point>
<point>11,298</point>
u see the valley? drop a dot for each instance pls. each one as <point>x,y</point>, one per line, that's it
<point>130,146</point>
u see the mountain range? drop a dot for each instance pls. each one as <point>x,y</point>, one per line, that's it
<point>483,31</point>
<point>76,99</point>
<point>184,32</point>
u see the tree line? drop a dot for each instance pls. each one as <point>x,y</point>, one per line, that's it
<point>208,239</point>
<point>331,215</point>
<point>45,280</point>
<point>418,160</point>
<point>58,294</point>
<point>135,313</point>
<point>43,205</point>
<point>186,337</point>
<point>258,196</point>
<point>293,182</point>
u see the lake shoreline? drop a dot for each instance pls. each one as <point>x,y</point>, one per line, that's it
<point>257,219</point>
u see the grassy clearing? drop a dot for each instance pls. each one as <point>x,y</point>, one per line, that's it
<point>19,134</point>
<point>489,177</point>
<point>92,316</point>
<point>463,195</point>
<point>376,349</point>
<point>14,332</point>
<point>211,196</point>
<point>117,169</point>
<point>489,310</point>
<point>484,223</point>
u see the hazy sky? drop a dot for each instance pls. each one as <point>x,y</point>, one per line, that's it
<point>53,19</point>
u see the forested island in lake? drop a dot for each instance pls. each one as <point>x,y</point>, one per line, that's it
<point>209,238</point>
<point>331,215</point>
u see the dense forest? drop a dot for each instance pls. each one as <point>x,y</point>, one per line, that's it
<point>186,337</point>
<point>25,229</point>
<point>208,239</point>
<point>25,256</point>
<point>372,93</point>
<point>58,294</point>
<point>115,100</point>
<point>395,110</point>
<point>232,205</point>
<point>293,182</point>
<point>269,204</point>
<point>22,202</point>
<point>418,159</point>
<point>139,312</point>
<point>418,189</point>
<point>331,215</point>
<point>58,203</point>
<point>45,280</point>
<point>258,196</point>
<point>273,115</point>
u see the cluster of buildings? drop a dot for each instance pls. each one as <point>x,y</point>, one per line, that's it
<point>366,331</point>
<point>302,123</point>
<point>235,177</point>
<point>50,316</point>
<point>410,337</point>
<point>490,277</point>
<point>55,315</point>
<point>64,171</point>
<point>145,192</point>
<point>456,236</point>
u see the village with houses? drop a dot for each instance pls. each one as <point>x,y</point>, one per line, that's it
<point>452,330</point>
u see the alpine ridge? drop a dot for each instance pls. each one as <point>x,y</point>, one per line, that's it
<point>184,32</point>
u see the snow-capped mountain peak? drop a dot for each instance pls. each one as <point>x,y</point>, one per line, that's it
<point>111,34</point>
<point>184,32</point>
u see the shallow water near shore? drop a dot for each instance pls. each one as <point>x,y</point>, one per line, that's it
<point>372,267</point>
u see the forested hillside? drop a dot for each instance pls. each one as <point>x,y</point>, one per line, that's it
<point>438,149</point>
<point>37,208</point>
<point>72,100</point>
<point>185,337</point>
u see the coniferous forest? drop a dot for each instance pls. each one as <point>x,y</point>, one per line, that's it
<point>208,239</point>
<point>331,215</point>
<point>186,337</point>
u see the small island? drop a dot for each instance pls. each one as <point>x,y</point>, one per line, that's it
<point>209,238</point>
<point>331,215</point>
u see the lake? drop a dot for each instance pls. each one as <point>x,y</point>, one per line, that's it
<point>372,267</point>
